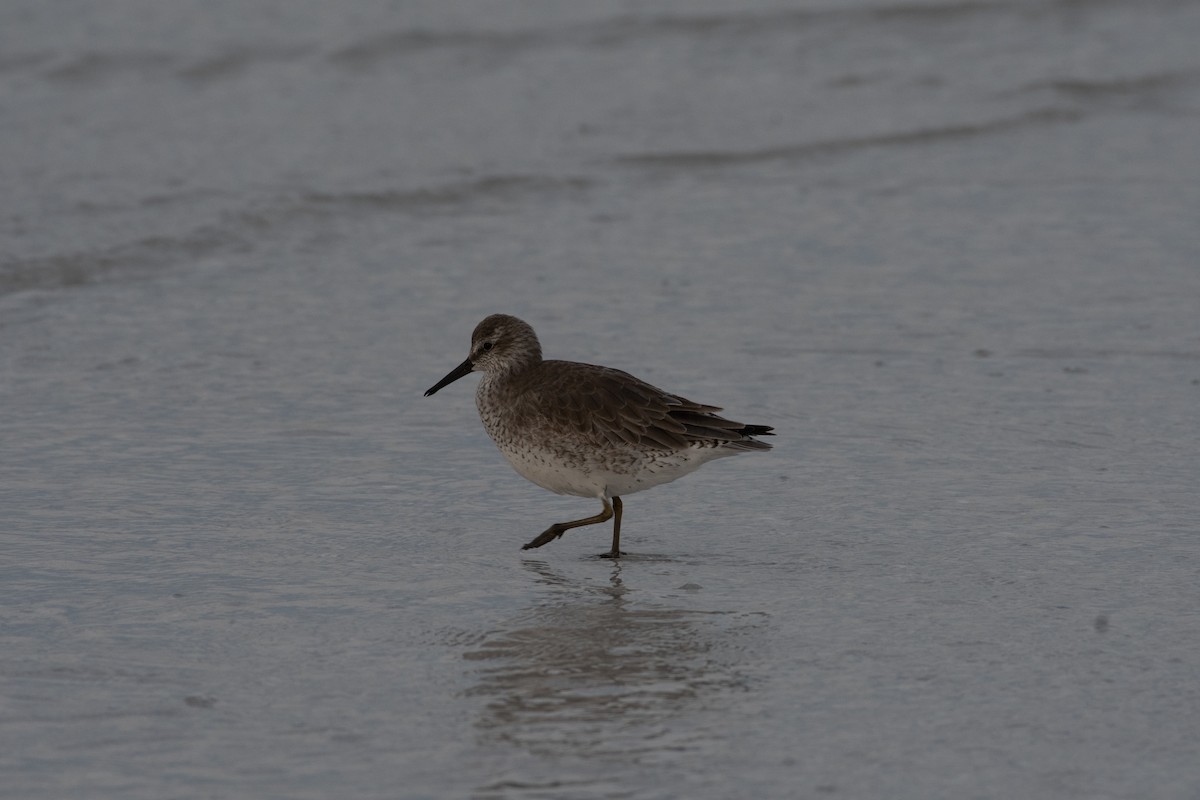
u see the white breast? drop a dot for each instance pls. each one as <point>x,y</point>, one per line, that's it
<point>606,473</point>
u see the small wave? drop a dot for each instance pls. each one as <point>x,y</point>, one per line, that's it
<point>437,198</point>
<point>1155,90</point>
<point>1116,86</point>
<point>95,66</point>
<point>238,229</point>
<point>145,255</point>
<point>374,48</point>
<point>402,43</point>
<point>236,61</point>
<point>629,28</point>
<point>688,159</point>
<point>772,21</point>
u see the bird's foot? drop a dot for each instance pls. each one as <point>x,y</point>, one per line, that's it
<point>612,554</point>
<point>548,535</point>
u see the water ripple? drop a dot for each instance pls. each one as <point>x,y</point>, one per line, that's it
<point>238,229</point>
<point>689,159</point>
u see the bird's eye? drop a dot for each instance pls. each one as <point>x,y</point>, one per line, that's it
<point>487,346</point>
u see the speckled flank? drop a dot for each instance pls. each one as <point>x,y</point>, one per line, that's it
<point>587,430</point>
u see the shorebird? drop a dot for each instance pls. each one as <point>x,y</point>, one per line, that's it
<point>586,430</point>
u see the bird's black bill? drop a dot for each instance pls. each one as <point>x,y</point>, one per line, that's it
<point>456,373</point>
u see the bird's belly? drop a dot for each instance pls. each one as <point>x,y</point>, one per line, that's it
<point>556,472</point>
<point>611,473</point>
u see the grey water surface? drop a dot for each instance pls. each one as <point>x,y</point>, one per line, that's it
<point>950,250</point>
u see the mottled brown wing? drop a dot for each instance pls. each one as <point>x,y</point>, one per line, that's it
<point>613,406</point>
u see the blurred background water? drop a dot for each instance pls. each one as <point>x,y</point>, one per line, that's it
<point>948,249</point>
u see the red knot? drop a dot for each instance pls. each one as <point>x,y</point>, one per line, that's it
<point>586,430</point>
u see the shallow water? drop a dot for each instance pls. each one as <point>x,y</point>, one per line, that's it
<point>948,250</point>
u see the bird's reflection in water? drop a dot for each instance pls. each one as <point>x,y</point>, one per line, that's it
<point>594,673</point>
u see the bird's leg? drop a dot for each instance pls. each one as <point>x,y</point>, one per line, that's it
<point>616,550</point>
<point>559,528</point>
